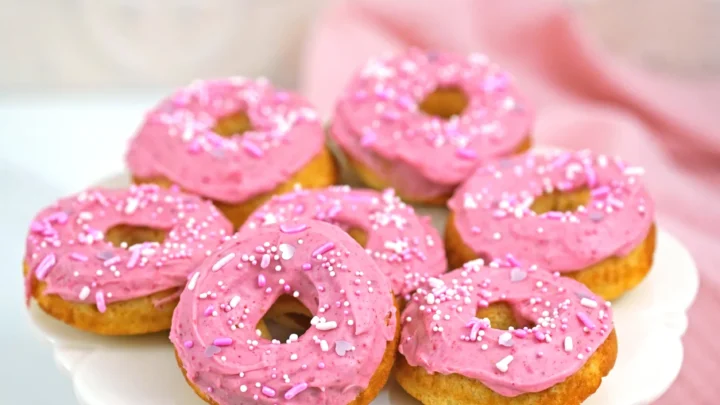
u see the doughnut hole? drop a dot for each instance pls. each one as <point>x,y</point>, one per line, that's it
<point>445,102</point>
<point>286,316</point>
<point>359,235</point>
<point>502,316</point>
<point>233,124</point>
<point>124,235</point>
<point>561,201</point>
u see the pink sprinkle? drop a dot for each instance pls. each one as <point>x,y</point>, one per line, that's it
<point>252,148</point>
<point>292,229</point>
<point>600,192</point>
<point>590,176</point>
<point>520,333</point>
<point>194,146</point>
<point>261,280</point>
<point>222,341</point>
<point>323,249</point>
<point>585,319</point>
<point>37,226</point>
<point>189,344</point>
<point>296,389</point>
<point>499,213</point>
<point>539,335</point>
<point>60,217</point>
<point>111,261</point>
<point>100,302</point>
<point>561,160</point>
<point>307,266</point>
<point>369,137</point>
<point>553,215</point>
<point>134,257</point>
<point>615,202</point>
<point>209,310</point>
<point>268,392</point>
<point>512,260</point>
<point>78,257</point>
<point>265,261</point>
<point>465,153</point>
<point>321,365</point>
<point>42,269</point>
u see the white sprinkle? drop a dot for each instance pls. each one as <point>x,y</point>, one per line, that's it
<point>218,265</point>
<point>84,293</point>
<point>286,251</point>
<point>329,325</point>
<point>193,281</point>
<point>430,299</point>
<point>234,301</point>
<point>324,345</point>
<point>505,339</point>
<point>587,302</point>
<point>131,205</point>
<point>243,388</point>
<point>293,357</point>
<point>503,364</point>
<point>568,344</point>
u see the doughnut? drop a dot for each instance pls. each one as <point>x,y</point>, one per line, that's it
<point>114,262</point>
<point>235,141</point>
<point>421,122</point>
<point>583,214</point>
<point>344,357</point>
<point>405,246</point>
<point>503,334</point>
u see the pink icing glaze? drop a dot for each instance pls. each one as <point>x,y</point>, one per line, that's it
<point>406,247</point>
<point>177,139</point>
<point>65,246</point>
<point>493,215</point>
<point>442,335</point>
<point>377,119</point>
<point>326,270</point>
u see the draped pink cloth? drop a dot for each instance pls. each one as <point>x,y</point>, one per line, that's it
<point>586,98</point>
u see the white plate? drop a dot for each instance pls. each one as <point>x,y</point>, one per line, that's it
<point>650,322</point>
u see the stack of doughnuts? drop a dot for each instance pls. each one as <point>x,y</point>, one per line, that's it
<point>280,286</point>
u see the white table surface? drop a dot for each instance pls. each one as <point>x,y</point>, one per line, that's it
<point>49,146</point>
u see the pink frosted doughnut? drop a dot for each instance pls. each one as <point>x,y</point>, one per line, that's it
<point>68,254</point>
<point>180,143</point>
<point>348,350</point>
<point>491,215</point>
<point>444,341</point>
<point>380,126</point>
<point>406,247</point>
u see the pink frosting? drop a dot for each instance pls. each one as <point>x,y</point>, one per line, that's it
<point>442,334</point>
<point>322,266</point>
<point>406,247</point>
<point>493,215</point>
<point>177,141</point>
<point>66,248</point>
<point>377,119</point>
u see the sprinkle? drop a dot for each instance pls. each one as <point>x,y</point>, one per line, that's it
<point>42,269</point>
<point>211,350</point>
<point>341,347</point>
<point>466,153</point>
<point>222,341</point>
<point>369,137</point>
<point>193,281</point>
<point>113,260</point>
<point>520,333</point>
<point>512,260</point>
<point>517,275</point>
<point>600,192</point>
<point>596,216</point>
<point>84,293</point>
<point>292,229</point>
<point>131,205</point>
<point>251,148</point>
<point>286,251</point>
<point>505,340</point>
<point>265,262</point>
<point>134,256</point>
<point>634,171</point>
<point>587,302</point>
<point>306,266</point>
<point>568,344</point>
<point>585,319</point>
<point>503,364</point>
<point>561,160</point>
<point>234,301</point>
<point>539,335</point>
<point>78,257</point>
<point>100,302</point>
<point>295,390</point>
<point>324,345</point>
<point>268,392</point>
<point>223,261</point>
<point>323,249</point>
<point>209,310</point>
<point>329,325</point>
<point>189,344</point>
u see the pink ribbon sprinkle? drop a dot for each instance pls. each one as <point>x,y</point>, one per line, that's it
<point>78,257</point>
<point>268,392</point>
<point>252,149</point>
<point>585,319</point>
<point>292,229</point>
<point>261,281</point>
<point>42,270</point>
<point>100,302</point>
<point>296,389</point>
<point>323,249</point>
<point>222,341</point>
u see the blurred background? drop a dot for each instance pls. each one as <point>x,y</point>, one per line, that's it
<point>636,77</point>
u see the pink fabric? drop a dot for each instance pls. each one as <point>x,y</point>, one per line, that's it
<point>586,98</point>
